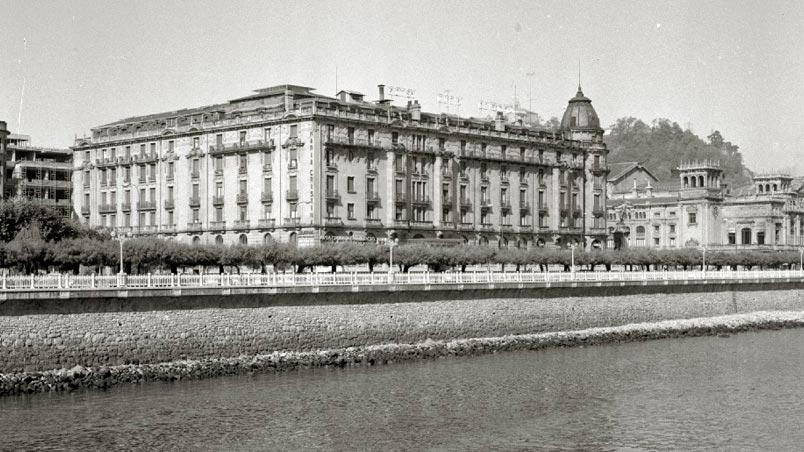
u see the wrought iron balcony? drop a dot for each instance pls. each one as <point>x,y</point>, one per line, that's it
<point>505,204</point>
<point>107,208</point>
<point>291,195</point>
<point>168,229</point>
<point>242,198</point>
<point>195,174</point>
<point>421,200</point>
<point>401,223</point>
<point>421,224</point>
<point>372,197</point>
<point>147,229</point>
<point>267,197</point>
<point>465,226</point>
<point>401,197</point>
<point>466,204</point>
<point>84,210</point>
<point>506,227</point>
<point>486,227</point>
<point>195,201</point>
<point>485,204</point>
<point>125,207</point>
<point>524,206</point>
<point>169,204</point>
<point>243,146</point>
<point>217,200</point>
<point>332,195</point>
<point>240,225</point>
<point>146,205</point>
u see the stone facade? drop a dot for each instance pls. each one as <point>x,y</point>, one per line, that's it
<point>288,164</point>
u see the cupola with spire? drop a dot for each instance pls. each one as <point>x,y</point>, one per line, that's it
<point>580,115</point>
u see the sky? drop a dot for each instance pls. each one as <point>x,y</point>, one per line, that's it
<point>733,66</point>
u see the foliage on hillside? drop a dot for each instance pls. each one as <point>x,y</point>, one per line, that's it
<point>663,144</point>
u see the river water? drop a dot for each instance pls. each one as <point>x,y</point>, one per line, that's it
<point>744,392</point>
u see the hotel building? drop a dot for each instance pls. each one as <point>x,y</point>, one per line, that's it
<point>291,165</point>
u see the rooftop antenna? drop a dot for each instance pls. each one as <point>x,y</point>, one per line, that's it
<point>336,79</point>
<point>579,74</point>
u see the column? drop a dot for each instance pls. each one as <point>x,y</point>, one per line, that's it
<point>437,209</point>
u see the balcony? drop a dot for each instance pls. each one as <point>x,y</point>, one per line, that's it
<point>372,197</point>
<point>525,227</point>
<point>195,201</point>
<point>524,207</point>
<point>267,168</point>
<point>447,225</point>
<point>218,172</point>
<point>421,200</point>
<point>332,195</point>
<point>465,226</point>
<point>170,204</point>
<point>543,208</point>
<point>446,202</point>
<point>170,177</point>
<point>400,198</point>
<point>373,223</point>
<point>242,170</point>
<point>146,158</point>
<point>486,227</point>
<point>168,229</point>
<point>505,204</point>
<point>217,200</point>
<point>240,225</point>
<point>194,227</point>
<point>243,146</point>
<point>146,205</point>
<point>421,224</point>
<point>84,210</point>
<point>266,223</point>
<point>401,223</point>
<point>147,229</point>
<point>125,207</point>
<point>291,222</point>
<point>195,174</point>
<point>485,204</point>
<point>333,221</point>
<point>504,180</point>
<point>333,141</point>
<point>332,166</point>
<point>267,197</point>
<point>466,204</point>
<point>523,181</point>
<point>293,165</point>
<point>152,178</point>
<point>484,177</point>
<point>292,195</point>
<point>107,208</point>
<point>124,160</point>
<point>217,225</point>
<point>598,211</point>
<point>242,198</point>
<point>506,227</point>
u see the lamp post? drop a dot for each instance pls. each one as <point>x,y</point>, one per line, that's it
<point>703,264</point>
<point>572,259</point>
<point>391,244</point>
<point>801,262</point>
<point>120,236</point>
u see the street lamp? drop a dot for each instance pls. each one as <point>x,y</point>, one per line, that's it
<point>572,259</point>
<point>120,236</point>
<point>703,264</point>
<point>392,243</point>
<point>801,262</point>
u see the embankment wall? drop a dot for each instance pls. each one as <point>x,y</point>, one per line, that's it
<point>49,334</point>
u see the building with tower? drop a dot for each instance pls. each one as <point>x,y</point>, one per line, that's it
<point>695,208</point>
<point>288,164</point>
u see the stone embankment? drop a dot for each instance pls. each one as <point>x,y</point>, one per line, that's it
<point>192,339</point>
<point>106,376</point>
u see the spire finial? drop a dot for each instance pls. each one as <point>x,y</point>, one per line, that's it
<point>580,92</point>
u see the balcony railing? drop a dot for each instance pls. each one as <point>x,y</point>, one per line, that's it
<point>333,221</point>
<point>463,226</point>
<point>372,197</point>
<point>242,198</point>
<point>168,228</point>
<point>146,205</point>
<point>291,195</point>
<point>217,225</point>
<point>466,204</point>
<point>107,208</point>
<point>195,174</point>
<point>505,204</point>
<point>194,226</point>
<point>486,227</point>
<point>195,201</point>
<point>217,200</point>
<point>170,204</point>
<point>125,207</point>
<point>373,223</point>
<point>240,225</point>
<point>84,210</point>
<point>332,195</point>
<point>421,224</point>
<point>485,204</point>
<point>422,200</point>
<point>146,158</point>
<point>242,170</point>
<point>267,197</point>
<point>243,146</point>
<point>524,206</point>
<point>401,197</point>
<point>266,223</point>
<point>402,223</point>
<point>291,222</point>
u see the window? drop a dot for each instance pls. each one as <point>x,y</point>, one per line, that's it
<point>293,161</point>
<point>394,137</point>
<point>692,218</point>
<point>294,130</point>
<point>219,214</point>
<point>371,137</point>
<point>242,138</point>
<point>127,220</point>
<point>267,134</point>
<point>196,215</point>
<point>243,213</point>
<point>350,211</point>
<point>350,184</point>
<point>351,134</point>
<point>330,210</point>
<point>672,229</point>
<point>243,187</point>
<point>243,239</point>
<point>656,241</point>
<point>170,146</point>
<point>153,194</point>
<point>196,142</point>
<point>732,238</point>
<point>219,189</point>
<point>219,140</point>
<point>656,229</point>
<point>243,163</point>
<point>219,164</point>
<point>170,170</point>
<point>170,193</point>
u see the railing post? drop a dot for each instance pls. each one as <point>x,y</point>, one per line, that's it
<point>92,281</point>
<point>32,281</point>
<point>58,283</point>
<point>148,280</point>
<point>178,279</point>
<point>4,282</point>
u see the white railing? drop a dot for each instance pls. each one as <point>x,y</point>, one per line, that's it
<point>90,282</point>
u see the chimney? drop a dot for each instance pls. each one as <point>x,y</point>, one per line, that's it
<point>499,122</point>
<point>416,111</point>
<point>288,100</point>
<point>382,92</point>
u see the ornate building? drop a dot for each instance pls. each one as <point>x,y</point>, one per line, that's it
<point>696,208</point>
<point>36,173</point>
<point>288,164</point>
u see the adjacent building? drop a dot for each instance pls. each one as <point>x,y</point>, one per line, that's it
<point>288,164</point>
<point>695,208</point>
<point>36,173</point>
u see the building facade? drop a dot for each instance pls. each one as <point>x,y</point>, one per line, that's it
<point>696,209</point>
<point>288,164</point>
<point>39,174</point>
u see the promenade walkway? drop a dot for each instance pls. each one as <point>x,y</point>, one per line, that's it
<point>32,283</point>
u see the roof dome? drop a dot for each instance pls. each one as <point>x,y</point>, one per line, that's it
<point>580,114</point>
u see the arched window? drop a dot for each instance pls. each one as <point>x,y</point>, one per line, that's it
<point>465,239</point>
<point>686,182</point>
<point>503,243</point>
<point>761,189</point>
<point>219,240</point>
<point>693,181</point>
<point>243,239</point>
<point>483,241</point>
<point>767,188</point>
<point>540,243</point>
<point>196,240</point>
<point>266,239</point>
<point>775,187</point>
<point>640,230</point>
<point>701,181</point>
<point>292,238</point>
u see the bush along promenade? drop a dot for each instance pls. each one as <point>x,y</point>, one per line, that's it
<point>36,239</point>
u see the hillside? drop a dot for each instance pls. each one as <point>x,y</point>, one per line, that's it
<point>662,145</point>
